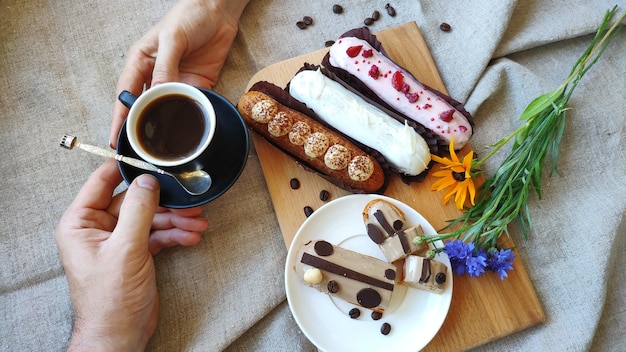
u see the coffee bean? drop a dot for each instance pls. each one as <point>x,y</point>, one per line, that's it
<point>301,24</point>
<point>376,315</point>
<point>354,313</point>
<point>329,43</point>
<point>445,27</point>
<point>294,183</point>
<point>376,15</point>
<point>390,10</point>
<point>308,211</point>
<point>332,286</point>
<point>324,195</point>
<point>385,329</point>
<point>307,20</point>
<point>337,9</point>
<point>368,21</point>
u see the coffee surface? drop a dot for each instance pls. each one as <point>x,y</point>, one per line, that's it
<point>172,127</point>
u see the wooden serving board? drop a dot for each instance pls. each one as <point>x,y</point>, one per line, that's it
<point>482,309</point>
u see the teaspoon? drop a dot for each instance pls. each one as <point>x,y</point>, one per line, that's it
<point>194,182</point>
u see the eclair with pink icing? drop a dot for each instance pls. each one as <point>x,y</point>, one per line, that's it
<point>400,90</point>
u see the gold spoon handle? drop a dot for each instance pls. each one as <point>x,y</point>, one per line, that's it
<point>69,142</point>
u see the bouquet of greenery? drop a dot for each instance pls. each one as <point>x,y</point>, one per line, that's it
<point>475,242</point>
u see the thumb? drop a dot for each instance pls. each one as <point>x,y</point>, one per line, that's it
<point>137,211</point>
<point>167,60</point>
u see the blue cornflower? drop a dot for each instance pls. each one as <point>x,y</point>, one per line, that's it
<point>500,261</point>
<point>459,249</point>
<point>476,264</point>
<point>458,252</point>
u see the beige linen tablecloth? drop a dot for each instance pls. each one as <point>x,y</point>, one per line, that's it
<point>59,62</point>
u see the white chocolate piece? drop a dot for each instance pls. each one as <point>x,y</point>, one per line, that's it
<point>313,276</point>
<point>410,97</point>
<point>424,274</point>
<point>401,146</point>
<point>351,276</point>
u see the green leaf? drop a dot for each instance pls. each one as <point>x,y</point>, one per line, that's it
<point>541,103</point>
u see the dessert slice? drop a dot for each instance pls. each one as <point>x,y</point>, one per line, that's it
<point>351,276</point>
<point>384,223</point>
<point>424,274</point>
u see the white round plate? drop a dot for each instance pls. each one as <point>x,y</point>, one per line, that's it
<point>415,315</point>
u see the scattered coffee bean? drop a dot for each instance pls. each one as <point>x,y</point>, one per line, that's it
<point>385,329</point>
<point>294,183</point>
<point>354,313</point>
<point>368,21</point>
<point>390,10</point>
<point>445,27</point>
<point>301,24</point>
<point>329,43</point>
<point>377,315</point>
<point>308,211</point>
<point>332,286</point>
<point>324,195</point>
<point>376,15</point>
<point>307,20</point>
<point>337,9</point>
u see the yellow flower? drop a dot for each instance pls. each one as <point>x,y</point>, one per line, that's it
<point>456,176</point>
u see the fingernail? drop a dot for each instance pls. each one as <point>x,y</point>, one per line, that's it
<point>148,182</point>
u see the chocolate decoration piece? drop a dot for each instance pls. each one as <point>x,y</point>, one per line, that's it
<point>390,274</point>
<point>345,272</point>
<point>425,271</point>
<point>403,241</point>
<point>368,298</point>
<point>323,248</point>
<point>440,278</point>
<point>375,234</point>
<point>333,286</point>
<point>383,222</point>
<point>398,225</point>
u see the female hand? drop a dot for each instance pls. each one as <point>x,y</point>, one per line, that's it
<point>188,45</point>
<point>106,245</point>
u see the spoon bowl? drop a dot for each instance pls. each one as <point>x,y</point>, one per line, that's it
<point>194,182</point>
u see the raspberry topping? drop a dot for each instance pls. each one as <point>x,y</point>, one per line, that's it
<point>353,51</point>
<point>373,72</point>
<point>367,53</point>
<point>412,97</point>
<point>397,81</point>
<point>446,116</point>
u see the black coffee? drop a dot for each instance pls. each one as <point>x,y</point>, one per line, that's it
<point>172,127</point>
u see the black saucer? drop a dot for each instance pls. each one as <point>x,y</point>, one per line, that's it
<point>224,159</point>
